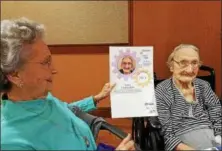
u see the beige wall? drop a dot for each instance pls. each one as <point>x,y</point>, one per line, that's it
<point>75,22</point>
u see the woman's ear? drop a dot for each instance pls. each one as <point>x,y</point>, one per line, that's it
<point>14,78</point>
<point>171,68</point>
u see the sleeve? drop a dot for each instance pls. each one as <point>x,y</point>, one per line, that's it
<point>171,141</point>
<point>86,105</point>
<point>213,106</point>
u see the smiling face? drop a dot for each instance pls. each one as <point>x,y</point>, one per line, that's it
<point>36,75</point>
<point>127,65</point>
<point>185,65</point>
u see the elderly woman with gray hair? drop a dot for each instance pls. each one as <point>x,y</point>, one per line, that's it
<point>189,111</point>
<point>31,117</point>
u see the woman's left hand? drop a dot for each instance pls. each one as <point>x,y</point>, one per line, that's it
<point>107,88</point>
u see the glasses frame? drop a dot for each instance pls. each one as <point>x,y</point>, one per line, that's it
<point>181,65</point>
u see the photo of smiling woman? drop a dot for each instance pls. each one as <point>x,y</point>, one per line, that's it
<point>127,65</point>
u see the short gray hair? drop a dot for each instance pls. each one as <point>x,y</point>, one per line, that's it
<point>171,56</point>
<point>14,34</point>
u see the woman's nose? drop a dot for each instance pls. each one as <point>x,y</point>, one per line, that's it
<point>189,68</point>
<point>128,65</point>
<point>54,71</point>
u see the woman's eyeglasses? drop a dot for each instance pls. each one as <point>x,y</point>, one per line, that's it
<point>186,63</point>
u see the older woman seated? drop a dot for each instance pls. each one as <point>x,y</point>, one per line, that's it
<point>31,117</point>
<point>189,111</point>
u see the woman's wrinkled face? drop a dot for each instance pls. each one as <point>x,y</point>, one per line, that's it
<point>185,65</point>
<point>37,73</point>
<point>127,65</point>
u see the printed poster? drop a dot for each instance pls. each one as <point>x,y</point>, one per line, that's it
<point>131,68</point>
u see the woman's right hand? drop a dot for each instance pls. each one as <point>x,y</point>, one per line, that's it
<point>126,144</point>
<point>182,146</point>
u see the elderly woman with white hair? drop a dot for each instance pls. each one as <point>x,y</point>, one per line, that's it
<point>31,117</point>
<point>189,110</point>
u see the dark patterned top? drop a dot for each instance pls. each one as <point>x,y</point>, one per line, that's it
<point>177,116</point>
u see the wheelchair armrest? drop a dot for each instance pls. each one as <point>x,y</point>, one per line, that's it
<point>154,122</point>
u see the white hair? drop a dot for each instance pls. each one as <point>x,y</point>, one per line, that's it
<point>14,34</point>
<point>171,56</point>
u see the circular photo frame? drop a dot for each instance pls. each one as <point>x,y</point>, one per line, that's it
<point>126,65</point>
<point>119,60</point>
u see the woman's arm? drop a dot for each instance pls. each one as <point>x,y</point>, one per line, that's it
<point>165,119</point>
<point>171,141</point>
<point>213,105</point>
<point>89,103</point>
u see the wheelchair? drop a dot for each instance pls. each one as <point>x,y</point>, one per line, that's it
<point>146,131</point>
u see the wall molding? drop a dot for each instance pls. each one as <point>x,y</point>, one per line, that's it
<point>83,48</point>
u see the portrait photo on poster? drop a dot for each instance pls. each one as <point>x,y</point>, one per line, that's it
<point>126,65</point>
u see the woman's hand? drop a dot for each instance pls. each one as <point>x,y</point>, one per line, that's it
<point>126,144</point>
<point>182,147</point>
<point>107,88</point>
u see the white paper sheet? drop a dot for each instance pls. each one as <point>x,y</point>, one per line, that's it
<point>131,68</point>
